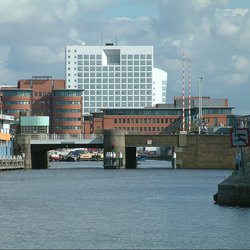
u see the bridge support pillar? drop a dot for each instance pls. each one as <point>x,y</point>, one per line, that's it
<point>182,143</point>
<point>114,141</point>
<point>24,142</point>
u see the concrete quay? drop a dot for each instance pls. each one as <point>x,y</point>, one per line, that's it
<point>11,164</point>
<point>235,190</point>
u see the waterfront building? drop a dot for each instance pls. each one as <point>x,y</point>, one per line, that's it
<point>155,120</point>
<point>41,87</point>
<point>6,143</point>
<point>16,101</point>
<point>44,96</point>
<point>66,113</point>
<point>115,76</point>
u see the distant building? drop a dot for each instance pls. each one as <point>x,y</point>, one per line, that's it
<point>6,143</point>
<point>44,96</point>
<point>155,120</point>
<point>34,124</point>
<point>66,112</point>
<point>115,76</point>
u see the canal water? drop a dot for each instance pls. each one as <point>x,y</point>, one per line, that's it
<point>76,205</point>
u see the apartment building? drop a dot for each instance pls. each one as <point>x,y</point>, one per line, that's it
<point>115,76</point>
<point>45,96</point>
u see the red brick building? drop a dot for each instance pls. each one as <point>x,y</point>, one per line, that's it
<point>66,112</point>
<point>41,93</point>
<point>215,112</point>
<point>44,96</point>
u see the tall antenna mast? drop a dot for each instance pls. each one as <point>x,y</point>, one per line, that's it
<point>189,96</point>
<point>183,92</point>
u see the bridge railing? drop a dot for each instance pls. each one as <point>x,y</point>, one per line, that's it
<point>75,137</point>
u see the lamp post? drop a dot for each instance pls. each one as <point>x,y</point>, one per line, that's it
<point>200,102</point>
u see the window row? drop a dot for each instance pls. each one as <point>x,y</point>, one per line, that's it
<point>143,129</point>
<point>68,110</point>
<point>68,119</point>
<point>117,98</point>
<point>145,120</point>
<point>114,80</point>
<point>124,93</point>
<point>123,62</point>
<point>16,102</point>
<point>115,74</point>
<point>67,93</point>
<point>41,93</point>
<point>34,129</point>
<point>68,102</point>
<point>148,112</point>
<point>123,56</point>
<point>15,111</point>
<point>67,127</point>
<point>17,93</point>
<point>105,68</point>
<point>116,104</point>
<point>122,87</point>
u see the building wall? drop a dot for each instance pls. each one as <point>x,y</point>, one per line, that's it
<point>16,101</point>
<point>41,93</point>
<point>159,86</point>
<point>41,85</point>
<point>87,127</point>
<point>67,112</point>
<point>143,123</point>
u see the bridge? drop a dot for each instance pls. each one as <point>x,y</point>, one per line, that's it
<point>193,151</point>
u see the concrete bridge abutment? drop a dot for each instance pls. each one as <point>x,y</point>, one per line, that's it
<point>23,143</point>
<point>114,141</point>
<point>35,157</point>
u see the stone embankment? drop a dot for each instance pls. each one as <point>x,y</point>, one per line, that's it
<point>11,163</point>
<point>235,190</point>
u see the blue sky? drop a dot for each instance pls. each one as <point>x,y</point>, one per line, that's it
<point>213,34</point>
<point>239,4</point>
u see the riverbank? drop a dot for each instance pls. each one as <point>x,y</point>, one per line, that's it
<point>235,190</point>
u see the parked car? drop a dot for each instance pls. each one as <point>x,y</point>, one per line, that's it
<point>73,155</point>
<point>54,155</point>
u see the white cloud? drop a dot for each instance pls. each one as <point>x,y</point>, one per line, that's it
<point>235,79</point>
<point>4,54</point>
<point>33,36</point>
<point>15,11</point>
<point>240,63</point>
<point>43,55</point>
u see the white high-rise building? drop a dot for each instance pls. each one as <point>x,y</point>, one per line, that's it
<point>115,76</point>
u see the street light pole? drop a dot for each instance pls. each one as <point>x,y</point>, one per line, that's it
<point>200,102</point>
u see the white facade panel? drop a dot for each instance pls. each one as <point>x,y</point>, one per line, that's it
<point>159,86</point>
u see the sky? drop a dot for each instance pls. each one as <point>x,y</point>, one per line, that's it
<point>213,34</point>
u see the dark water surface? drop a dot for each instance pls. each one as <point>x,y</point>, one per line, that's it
<point>80,205</point>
